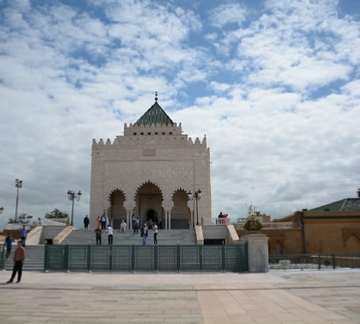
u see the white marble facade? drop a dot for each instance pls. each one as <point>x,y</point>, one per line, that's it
<point>149,171</point>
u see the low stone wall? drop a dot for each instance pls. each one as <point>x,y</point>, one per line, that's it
<point>199,235</point>
<point>34,236</point>
<point>63,234</point>
<point>231,235</point>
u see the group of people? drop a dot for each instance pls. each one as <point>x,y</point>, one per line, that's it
<point>219,220</point>
<point>135,219</point>
<point>109,231</point>
<point>19,254</point>
<point>145,232</point>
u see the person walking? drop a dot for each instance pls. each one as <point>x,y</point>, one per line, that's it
<point>136,225</point>
<point>8,241</point>
<point>23,235</point>
<point>155,229</point>
<point>19,258</point>
<point>110,235</point>
<point>98,235</point>
<point>86,222</point>
<point>103,222</point>
<point>144,234</point>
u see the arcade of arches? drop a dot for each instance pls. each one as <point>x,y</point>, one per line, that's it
<point>148,206</point>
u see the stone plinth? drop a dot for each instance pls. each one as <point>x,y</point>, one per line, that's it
<point>258,254</point>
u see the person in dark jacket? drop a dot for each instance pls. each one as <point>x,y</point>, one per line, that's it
<point>86,222</point>
<point>98,235</point>
<point>19,258</point>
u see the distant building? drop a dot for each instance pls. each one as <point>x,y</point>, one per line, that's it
<point>330,229</point>
<point>149,171</point>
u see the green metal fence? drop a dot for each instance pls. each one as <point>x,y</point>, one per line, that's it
<point>146,258</point>
<point>2,258</point>
<point>314,261</point>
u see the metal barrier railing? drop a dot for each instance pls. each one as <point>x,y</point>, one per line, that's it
<point>314,261</point>
<point>146,258</point>
<point>2,258</point>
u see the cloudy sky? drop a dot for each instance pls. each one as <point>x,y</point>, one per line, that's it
<point>274,85</point>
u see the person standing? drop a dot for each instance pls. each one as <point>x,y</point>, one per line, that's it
<point>98,235</point>
<point>8,241</point>
<point>133,217</point>
<point>23,235</point>
<point>19,258</point>
<point>144,234</point>
<point>103,222</point>
<point>110,235</point>
<point>136,225</point>
<point>155,229</point>
<point>86,222</point>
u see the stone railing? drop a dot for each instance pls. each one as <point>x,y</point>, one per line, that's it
<point>267,225</point>
<point>278,225</point>
<point>221,221</point>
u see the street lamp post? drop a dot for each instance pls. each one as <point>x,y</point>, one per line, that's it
<point>196,196</point>
<point>18,185</point>
<point>73,196</point>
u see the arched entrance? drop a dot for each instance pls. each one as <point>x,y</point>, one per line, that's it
<point>149,203</point>
<point>180,214</point>
<point>150,215</point>
<point>117,211</point>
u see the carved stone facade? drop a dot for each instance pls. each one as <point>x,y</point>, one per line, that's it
<point>149,171</point>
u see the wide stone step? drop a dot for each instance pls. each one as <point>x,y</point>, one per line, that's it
<point>165,237</point>
<point>34,260</point>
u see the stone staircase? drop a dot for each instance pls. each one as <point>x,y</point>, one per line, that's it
<point>35,253</point>
<point>165,237</point>
<point>34,260</point>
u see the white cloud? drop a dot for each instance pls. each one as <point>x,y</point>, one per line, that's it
<point>227,14</point>
<point>276,95</point>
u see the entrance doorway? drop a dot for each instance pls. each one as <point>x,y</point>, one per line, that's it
<point>150,215</point>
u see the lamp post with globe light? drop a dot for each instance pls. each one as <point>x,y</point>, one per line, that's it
<point>73,196</point>
<point>18,185</point>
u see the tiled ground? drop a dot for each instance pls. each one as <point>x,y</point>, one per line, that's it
<point>221,298</point>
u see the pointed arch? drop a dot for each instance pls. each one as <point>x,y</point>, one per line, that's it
<point>149,188</point>
<point>116,211</point>
<point>149,197</point>
<point>180,213</point>
<point>279,247</point>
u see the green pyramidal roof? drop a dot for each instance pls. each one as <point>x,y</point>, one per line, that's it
<point>154,115</point>
<point>349,204</point>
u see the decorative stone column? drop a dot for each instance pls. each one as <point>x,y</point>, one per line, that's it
<point>258,254</point>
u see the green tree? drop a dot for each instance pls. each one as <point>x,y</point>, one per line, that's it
<point>23,219</point>
<point>56,213</point>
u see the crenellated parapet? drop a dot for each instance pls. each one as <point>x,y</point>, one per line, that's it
<point>139,141</point>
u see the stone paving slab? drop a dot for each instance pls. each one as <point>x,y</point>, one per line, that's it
<point>219,298</point>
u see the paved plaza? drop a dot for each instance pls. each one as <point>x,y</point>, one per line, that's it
<point>276,297</point>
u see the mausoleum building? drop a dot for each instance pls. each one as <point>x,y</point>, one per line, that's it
<point>149,170</point>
